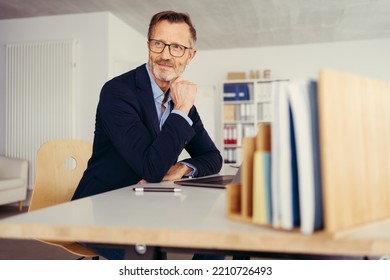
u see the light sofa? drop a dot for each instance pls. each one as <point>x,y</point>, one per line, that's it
<point>13,180</point>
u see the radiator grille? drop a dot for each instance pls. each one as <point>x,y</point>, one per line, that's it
<point>40,93</point>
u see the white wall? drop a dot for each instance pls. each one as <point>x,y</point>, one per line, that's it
<point>369,58</point>
<point>103,40</point>
<point>127,48</point>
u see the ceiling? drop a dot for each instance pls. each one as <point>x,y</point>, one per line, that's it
<point>236,24</point>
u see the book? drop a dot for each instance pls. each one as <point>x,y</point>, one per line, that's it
<point>303,103</point>
<point>277,88</point>
<point>284,168</point>
<point>229,112</point>
<point>275,158</point>
<point>262,210</point>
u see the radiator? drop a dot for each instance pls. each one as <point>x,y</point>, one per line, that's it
<point>40,96</point>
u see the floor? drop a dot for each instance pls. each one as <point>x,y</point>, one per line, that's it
<point>12,249</point>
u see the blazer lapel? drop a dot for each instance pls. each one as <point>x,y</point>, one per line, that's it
<point>146,99</point>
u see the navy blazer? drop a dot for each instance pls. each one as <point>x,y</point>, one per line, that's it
<point>128,144</point>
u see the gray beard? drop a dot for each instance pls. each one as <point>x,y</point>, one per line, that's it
<point>165,79</point>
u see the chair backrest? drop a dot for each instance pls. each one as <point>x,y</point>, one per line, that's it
<point>59,167</point>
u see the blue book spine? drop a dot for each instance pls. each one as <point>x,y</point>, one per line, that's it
<point>318,215</point>
<point>294,174</point>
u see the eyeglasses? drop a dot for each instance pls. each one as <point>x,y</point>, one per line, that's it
<point>175,50</point>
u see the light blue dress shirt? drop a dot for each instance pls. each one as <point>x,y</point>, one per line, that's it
<point>158,95</point>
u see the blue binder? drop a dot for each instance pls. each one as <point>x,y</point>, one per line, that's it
<point>236,92</point>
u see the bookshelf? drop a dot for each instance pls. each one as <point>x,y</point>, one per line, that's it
<point>245,104</point>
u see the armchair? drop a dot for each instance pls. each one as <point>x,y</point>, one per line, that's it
<point>13,180</point>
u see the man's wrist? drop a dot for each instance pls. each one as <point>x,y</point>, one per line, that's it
<point>185,168</point>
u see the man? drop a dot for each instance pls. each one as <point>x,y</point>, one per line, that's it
<point>146,117</point>
<point>138,139</point>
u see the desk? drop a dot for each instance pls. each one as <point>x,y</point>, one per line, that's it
<point>194,219</point>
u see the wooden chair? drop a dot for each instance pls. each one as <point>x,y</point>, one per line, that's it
<point>59,167</point>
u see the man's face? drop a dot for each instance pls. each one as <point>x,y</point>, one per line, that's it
<point>164,66</point>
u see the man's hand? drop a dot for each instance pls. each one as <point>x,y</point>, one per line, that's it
<point>176,172</point>
<point>183,94</point>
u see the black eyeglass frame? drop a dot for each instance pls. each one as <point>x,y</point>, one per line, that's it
<point>169,47</point>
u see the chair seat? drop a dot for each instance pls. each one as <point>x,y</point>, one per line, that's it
<point>11,183</point>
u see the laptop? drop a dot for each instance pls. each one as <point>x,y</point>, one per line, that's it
<point>212,181</point>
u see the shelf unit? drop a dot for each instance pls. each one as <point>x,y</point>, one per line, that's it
<point>245,104</point>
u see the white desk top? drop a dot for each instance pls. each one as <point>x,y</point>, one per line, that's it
<point>193,218</point>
